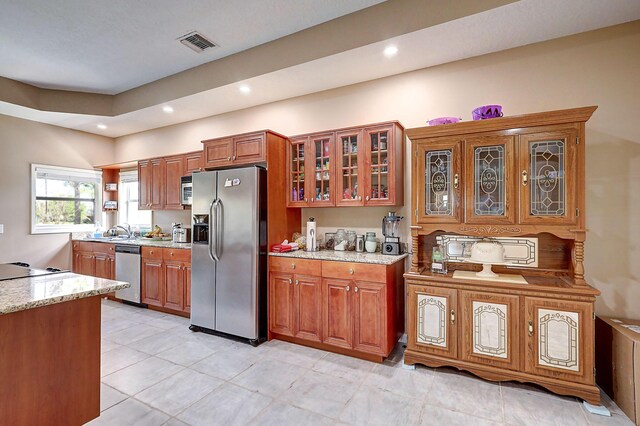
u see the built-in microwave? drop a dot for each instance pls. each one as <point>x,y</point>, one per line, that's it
<point>186,190</point>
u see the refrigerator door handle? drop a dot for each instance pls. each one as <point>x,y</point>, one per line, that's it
<point>218,211</point>
<point>212,241</point>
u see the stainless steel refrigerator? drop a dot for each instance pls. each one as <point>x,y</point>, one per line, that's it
<point>229,253</point>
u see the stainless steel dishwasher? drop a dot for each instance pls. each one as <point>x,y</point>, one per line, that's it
<point>128,269</point>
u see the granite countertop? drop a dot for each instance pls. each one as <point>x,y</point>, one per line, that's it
<point>138,242</point>
<point>344,256</point>
<point>28,293</point>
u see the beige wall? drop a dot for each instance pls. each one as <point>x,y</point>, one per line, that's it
<point>596,68</point>
<point>23,142</point>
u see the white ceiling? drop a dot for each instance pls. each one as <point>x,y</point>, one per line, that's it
<point>513,25</point>
<point>110,46</point>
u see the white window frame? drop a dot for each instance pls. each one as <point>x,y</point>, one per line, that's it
<point>72,172</point>
<point>128,176</point>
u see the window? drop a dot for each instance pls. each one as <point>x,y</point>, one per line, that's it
<point>128,199</point>
<point>64,199</point>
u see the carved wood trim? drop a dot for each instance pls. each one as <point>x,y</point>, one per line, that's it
<point>578,265</point>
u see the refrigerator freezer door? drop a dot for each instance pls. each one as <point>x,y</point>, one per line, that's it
<point>203,268</point>
<point>238,250</point>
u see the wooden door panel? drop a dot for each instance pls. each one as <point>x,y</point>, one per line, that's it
<point>102,266</point>
<point>174,285</point>
<point>144,185</point>
<point>560,343</point>
<point>490,329</point>
<point>174,169</point>
<point>308,307</point>
<point>218,152</point>
<point>369,304</point>
<point>152,282</point>
<point>281,304</point>
<point>431,320</point>
<point>193,162</point>
<point>349,168</point>
<point>87,264</point>
<point>337,318</point>
<point>248,149</point>
<point>157,183</point>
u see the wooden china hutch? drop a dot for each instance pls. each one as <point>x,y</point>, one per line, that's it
<point>520,176</point>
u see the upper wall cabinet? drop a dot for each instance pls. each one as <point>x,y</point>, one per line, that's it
<point>349,167</point>
<point>249,148</point>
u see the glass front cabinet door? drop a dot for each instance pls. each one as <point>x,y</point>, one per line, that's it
<point>547,177</point>
<point>434,316</point>
<point>380,166</point>
<point>439,180</point>
<point>489,180</point>
<point>298,195</point>
<point>349,168</point>
<point>321,148</point>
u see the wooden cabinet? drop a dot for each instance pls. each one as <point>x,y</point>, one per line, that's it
<point>151,184</point>
<point>247,148</point>
<point>144,185</point>
<point>173,171</point>
<point>431,317</point>
<point>193,162</point>
<point>354,307</point>
<point>166,278</point>
<point>347,167</point>
<point>94,259</point>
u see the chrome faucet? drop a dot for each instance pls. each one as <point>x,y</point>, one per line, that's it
<point>126,229</point>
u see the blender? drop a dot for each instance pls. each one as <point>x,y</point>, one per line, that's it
<point>391,232</point>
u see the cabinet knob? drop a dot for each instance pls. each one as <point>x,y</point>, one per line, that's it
<point>171,253</point>
<point>456,181</point>
<point>351,271</point>
<point>150,251</point>
<point>359,197</point>
<point>525,178</point>
<point>293,266</point>
<point>297,282</point>
<point>348,288</point>
<point>290,281</point>
<point>453,316</point>
<point>530,328</point>
<point>306,200</point>
<point>366,198</point>
<point>234,158</point>
<point>355,289</point>
<point>312,200</point>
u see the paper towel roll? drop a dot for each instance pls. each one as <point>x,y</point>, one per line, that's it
<point>311,235</point>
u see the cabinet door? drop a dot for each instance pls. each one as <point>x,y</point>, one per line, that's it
<point>490,329</point>
<point>174,285</point>
<point>192,162</point>
<point>144,185</point>
<point>431,320</point>
<point>322,154</point>
<point>157,172</point>
<point>152,282</point>
<point>249,149</point>
<point>438,181</point>
<point>75,264</point>
<point>560,340</point>
<point>349,168</point>
<point>174,169</point>
<point>187,287</point>
<point>379,146</point>
<point>337,327</point>
<point>298,195</point>
<point>370,307</point>
<point>87,264</point>
<point>103,266</point>
<point>548,177</point>
<point>308,307</point>
<point>489,181</point>
<point>218,152</point>
<point>281,304</point>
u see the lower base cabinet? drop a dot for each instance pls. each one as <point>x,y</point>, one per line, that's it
<point>166,278</point>
<point>499,335</point>
<point>353,308</point>
<point>94,259</point>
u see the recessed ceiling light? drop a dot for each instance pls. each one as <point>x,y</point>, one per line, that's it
<point>390,51</point>
<point>101,126</point>
<point>168,109</point>
<point>245,89</point>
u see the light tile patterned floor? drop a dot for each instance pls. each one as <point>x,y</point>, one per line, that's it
<point>157,372</point>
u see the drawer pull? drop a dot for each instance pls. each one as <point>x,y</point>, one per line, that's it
<point>456,181</point>
<point>293,266</point>
<point>290,281</point>
<point>228,158</point>
<point>297,282</point>
<point>453,317</point>
<point>355,289</point>
<point>348,288</point>
<point>530,328</point>
<point>351,271</point>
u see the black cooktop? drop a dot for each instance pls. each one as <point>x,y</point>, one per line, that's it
<point>9,271</point>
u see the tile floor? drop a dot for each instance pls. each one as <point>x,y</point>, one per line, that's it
<point>157,372</point>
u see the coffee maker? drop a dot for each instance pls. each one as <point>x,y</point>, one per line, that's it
<point>391,232</point>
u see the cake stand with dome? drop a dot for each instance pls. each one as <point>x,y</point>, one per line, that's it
<point>487,253</point>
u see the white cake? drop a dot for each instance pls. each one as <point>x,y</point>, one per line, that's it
<point>487,252</point>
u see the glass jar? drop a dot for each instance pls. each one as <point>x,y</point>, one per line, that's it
<point>340,236</point>
<point>371,243</point>
<point>329,240</point>
<point>351,241</point>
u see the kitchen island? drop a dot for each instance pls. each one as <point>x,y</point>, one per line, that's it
<point>50,348</point>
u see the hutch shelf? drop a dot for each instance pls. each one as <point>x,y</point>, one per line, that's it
<point>520,176</point>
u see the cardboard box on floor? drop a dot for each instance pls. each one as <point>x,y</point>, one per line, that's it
<point>618,363</point>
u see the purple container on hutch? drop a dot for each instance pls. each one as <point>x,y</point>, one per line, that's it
<point>487,111</point>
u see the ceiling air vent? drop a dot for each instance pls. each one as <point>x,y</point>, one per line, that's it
<point>196,41</point>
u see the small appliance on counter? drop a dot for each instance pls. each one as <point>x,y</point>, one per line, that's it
<point>312,239</point>
<point>179,234</point>
<point>391,232</point>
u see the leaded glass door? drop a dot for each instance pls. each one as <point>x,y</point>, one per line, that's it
<point>439,179</point>
<point>489,180</point>
<point>321,149</point>
<point>547,177</point>
<point>296,180</point>
<point>349,168</point>
<point>559,337</point>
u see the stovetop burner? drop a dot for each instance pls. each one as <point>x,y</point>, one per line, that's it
<point>10,271</point>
